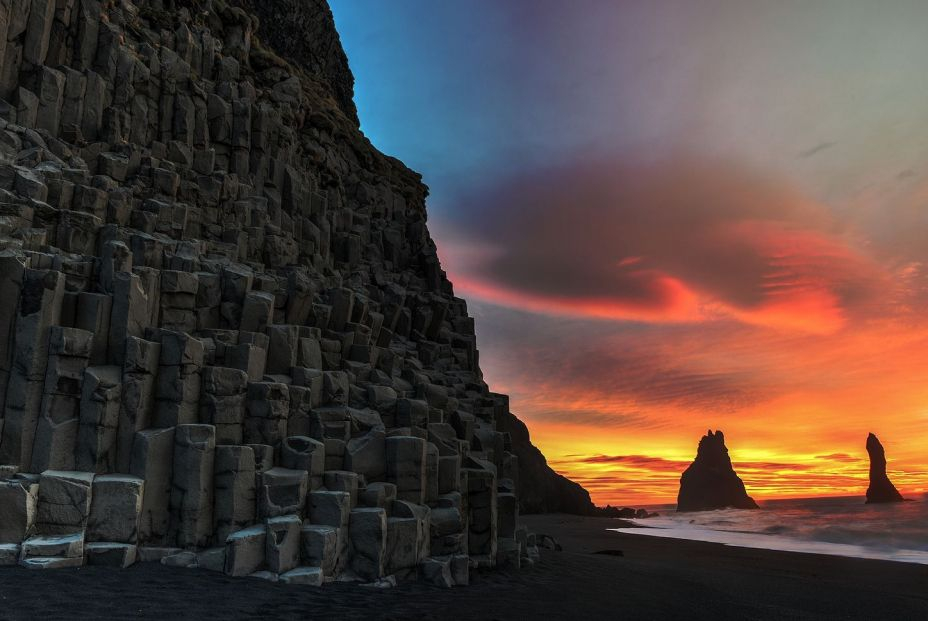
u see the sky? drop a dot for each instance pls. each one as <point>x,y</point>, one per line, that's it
<point>669,216</point>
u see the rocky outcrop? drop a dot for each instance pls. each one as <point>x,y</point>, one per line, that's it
<point>541,489</point>
<point>710,482</point>
<point>627,513</point>
<point>303,32</point>
<point>227,341</point>
<point>881,489</point>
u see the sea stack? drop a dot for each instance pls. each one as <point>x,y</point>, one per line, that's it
<point>881,488</point>
<point>710,482</point>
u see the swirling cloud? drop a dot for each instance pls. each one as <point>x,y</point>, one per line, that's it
<point>682,239</point>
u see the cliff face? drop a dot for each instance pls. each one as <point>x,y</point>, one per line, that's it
<point>881,489</point>
<point>226,326</point>
<point>303,32</point>
<point>710,482</point>
<point>541,489</point>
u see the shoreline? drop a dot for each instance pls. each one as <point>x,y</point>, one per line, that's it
<point>776,543</point>
<point>599,574</point>
<point>835,526</point>
<point>568,524</point>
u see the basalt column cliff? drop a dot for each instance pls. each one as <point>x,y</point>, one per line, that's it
<point>227,340</point>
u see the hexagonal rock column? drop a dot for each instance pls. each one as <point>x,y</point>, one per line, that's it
<point>332,509</point>
<point>192,488</point>
<point>64,502</point>
<point>267,408</point>
<point>342,481</point>
<point>446,531</point>
<point>56,431</point>
<point>329,508</point>
<point>222,402</point>
<point>178,393</point>
<point>245,550</point>
<point>99,419</point>
<point>137,397</point>
<point>153,461</point>
<point>367,535</point>
<point>53,551</point>
<point>40,308</point>
<point>18,508</point>
<point>115,508</point>
<point>481,501</point>
<point>406,462</point>
<point>282,549</point>
<point>302,453</point>
<point>402,548</point>
<point>319,547</point>
<point>282,492</point>
<point>234,489</point>
<point>366,454</point>
<point>422,515</point>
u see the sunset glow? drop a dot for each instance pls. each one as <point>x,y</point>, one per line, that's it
<point>811,340</point>
<point>727,230</point>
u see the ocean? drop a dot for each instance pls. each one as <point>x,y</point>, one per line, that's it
<point>842,526</point>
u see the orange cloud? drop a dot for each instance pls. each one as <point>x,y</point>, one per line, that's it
<point>672,241</point>
<point>589,389</point>
<point>668,300</point>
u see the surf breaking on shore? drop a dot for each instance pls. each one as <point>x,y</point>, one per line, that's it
<point>835,526</point>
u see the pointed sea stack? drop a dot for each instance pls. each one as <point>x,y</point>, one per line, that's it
<point>710,482</point>
<point>881,488</point>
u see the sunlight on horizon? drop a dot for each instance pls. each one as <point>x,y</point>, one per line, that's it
<point>726,230</point>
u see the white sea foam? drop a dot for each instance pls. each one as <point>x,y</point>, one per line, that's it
<point>836,526</point>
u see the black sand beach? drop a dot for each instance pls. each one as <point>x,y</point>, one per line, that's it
<point>654,579</point>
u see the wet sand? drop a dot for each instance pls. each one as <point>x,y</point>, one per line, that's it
<point>653,579</point>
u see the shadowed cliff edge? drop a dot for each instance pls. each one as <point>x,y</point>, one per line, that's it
<point>542,489</point>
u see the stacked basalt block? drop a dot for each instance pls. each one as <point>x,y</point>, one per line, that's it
<point>227,341</point>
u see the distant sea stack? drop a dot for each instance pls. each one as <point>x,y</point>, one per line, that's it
<point>710,482</point>
<point>881,488</point>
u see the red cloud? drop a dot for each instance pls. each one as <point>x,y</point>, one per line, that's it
<point>663,298</point>
<point>840,457</point>
<point>671,241</point>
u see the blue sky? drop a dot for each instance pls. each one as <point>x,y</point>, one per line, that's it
<point>466,91</point>
<point>669,215</point>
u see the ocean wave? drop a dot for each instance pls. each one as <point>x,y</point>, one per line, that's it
<point>777,529</point>
<point>784,544</point>
<point>838,526</point>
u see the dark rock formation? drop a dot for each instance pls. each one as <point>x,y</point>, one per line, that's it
<point>627,513</point>
<point>710,482</point>
<point>542,490</point>
<point>881,488</point>
<point>303,31</point>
